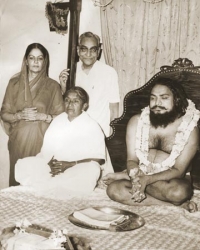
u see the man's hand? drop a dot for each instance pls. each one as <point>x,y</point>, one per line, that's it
<point>139,183</point>
<point>138,188</point>
<point>63,79</point>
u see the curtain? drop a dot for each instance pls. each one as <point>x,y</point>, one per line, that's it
<point>139,37</point>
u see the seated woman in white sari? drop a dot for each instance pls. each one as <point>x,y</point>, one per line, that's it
<point>72,152</point>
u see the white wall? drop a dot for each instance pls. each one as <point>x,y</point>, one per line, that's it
<point>23,22</point>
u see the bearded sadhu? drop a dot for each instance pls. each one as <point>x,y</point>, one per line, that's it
<point>161,143</point>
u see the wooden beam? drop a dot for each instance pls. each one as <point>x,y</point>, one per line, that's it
<point>75,9</point>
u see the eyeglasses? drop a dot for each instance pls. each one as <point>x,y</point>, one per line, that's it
<point>85,50</point>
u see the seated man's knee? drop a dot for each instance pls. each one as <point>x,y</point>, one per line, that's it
<point>116,190</point>
<point>180,191</point>
<point>112,190</point>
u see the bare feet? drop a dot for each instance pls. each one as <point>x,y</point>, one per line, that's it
<point>110,177</point>
<point>190,206</point>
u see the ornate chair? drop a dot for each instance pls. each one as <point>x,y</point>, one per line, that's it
<point>183,70</point>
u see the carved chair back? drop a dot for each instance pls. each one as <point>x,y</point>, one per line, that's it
<point>187,74</point>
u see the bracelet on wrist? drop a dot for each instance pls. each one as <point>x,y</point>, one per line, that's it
<point>49,118</point>
<point>46,119</point>
<point>16,116</point>
<point>133,172</point>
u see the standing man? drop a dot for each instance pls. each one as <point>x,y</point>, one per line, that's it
<point>98,79</point>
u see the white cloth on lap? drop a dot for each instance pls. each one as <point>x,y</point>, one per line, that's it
<point>79,179</point>
<point>66,141</point>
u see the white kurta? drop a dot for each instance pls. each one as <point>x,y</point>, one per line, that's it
<point>79,139</point>
<point>102,87</point>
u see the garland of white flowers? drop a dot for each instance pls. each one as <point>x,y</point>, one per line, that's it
<point>58,237</point>
<point>189,121</point>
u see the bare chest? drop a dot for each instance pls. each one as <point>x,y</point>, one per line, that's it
<point>162,138</point>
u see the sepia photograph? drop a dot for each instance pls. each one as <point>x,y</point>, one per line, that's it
<point>100,119</point>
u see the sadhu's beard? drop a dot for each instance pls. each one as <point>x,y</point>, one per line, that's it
<point>162,120</point>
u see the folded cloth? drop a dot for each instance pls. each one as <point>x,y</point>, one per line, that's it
<point>98,218</point>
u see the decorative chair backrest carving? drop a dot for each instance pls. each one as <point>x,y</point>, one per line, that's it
<point>187,74</point>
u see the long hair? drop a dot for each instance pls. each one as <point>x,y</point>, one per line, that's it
<point>42,49</point>
<point>179,95</point>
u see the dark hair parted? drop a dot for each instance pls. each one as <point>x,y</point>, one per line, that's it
<point>89,35</point>
<point>42,49</point>
<point>82,94</point>
<point>180,97</point>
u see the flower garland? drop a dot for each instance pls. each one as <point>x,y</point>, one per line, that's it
<point>189,121</point>
<point>58,237</point>
<point>20,226</point>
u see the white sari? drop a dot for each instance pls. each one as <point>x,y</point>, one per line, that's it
<point>79,139</point>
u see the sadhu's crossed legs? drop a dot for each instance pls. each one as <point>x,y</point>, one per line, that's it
<point>174,192</point>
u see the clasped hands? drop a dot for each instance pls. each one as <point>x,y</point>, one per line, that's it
<point>137,178</point>
<point>31,114</point>
<point>58,167</point>
<point>139,182</point>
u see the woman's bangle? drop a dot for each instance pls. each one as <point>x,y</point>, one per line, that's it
<point>16,116</point>
<point>49,118</point>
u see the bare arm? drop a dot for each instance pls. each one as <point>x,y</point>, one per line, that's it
<point>132,160</point>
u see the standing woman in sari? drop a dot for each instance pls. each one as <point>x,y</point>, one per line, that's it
<point>31,102</point>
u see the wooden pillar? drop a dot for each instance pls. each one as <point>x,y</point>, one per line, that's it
<point>75,9</point>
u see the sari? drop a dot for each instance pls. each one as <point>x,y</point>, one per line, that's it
<point>26,137</point>
<point>79,139</point>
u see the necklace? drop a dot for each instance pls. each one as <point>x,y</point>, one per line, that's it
<point>189,121</point>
